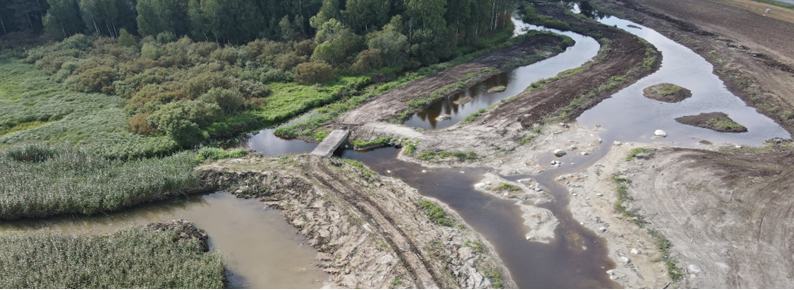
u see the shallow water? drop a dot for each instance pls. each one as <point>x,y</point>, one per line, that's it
<point>563,263</point>
<point>260,249</point>
<point>515,81</point>
<point>630,116</point>
<point>269,144</point>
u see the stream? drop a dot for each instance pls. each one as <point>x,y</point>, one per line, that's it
<point>263,251</point>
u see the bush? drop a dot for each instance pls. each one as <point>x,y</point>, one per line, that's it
<point>182,120</point>
<point>137,124</point>
<point>367,60</point>
<point>314,72</point>
<point>229,100</point>
<point>125,39</point>
<point>97,79</point>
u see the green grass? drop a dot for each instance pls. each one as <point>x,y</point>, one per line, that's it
<point>358,164</point>
<point>634,153</point>
<point>135,258</point>
<point>497,89</point>
<point>666,89</point>
<point>663,244</point>
<point>41,180</point>
<point>776,3</point>
<point>724,124</point>
<point>410,148</point>
<point>212,153</point>
<point>435,213</point>
<point>509,187</point>
<point>526,140</point>
<point>361,143</point>
<point>495,279</point>
<point>460,155</point>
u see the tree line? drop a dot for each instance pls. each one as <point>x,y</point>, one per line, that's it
<point>435,27</point>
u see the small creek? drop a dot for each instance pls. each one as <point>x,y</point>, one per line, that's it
<point>514,81</point>
<point>263,251</point>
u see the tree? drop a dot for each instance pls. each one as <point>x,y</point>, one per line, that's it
<point>314,72</point>
<point>392,44</point>
<point>335,43</point>
<point>126,39</point>
<point>330,9</point>
<point>365,15</point>
<point>63,18</point>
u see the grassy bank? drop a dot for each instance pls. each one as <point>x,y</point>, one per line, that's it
<point>41,180</point>
<point>136,258</point>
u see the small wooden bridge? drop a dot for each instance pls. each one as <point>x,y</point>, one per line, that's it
<point>330,143</point>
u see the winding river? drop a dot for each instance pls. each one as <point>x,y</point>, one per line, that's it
<point>263,251</point>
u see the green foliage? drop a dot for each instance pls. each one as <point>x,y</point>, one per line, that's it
<point>634,153</point>
<point>724,124</point>
<point>410,148</point>
<point>460,155</point>
<point>126,39</point>
<point>42,180</point>
<point>213,153</point>
<point>675,272</point>
<point>380,141</point>
<point>435,213</point>
<point>495,279</point>
<point>509,187</point>
<point>321,135</point>
<point>135,258</point>
<point>314,73</point>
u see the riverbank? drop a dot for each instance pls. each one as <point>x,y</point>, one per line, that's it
<point>371,231</point>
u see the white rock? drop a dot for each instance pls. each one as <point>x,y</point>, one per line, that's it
<point>602,229</point>
<point>660,133</point>
<point>462,172</point>
<point>617,143</point>
<point>584,153</point>
<point>694,269</point>
<point>611,272</point>
<point>424,171</point>
<point>635,251</point>
<point>488,182</point>
<point>573,147</point>
<point>624,260</point>
<point>388,171</point>
<point>479,185</point>
<point>600,194</point>
<point>738,147</point>
<point>559,152</point>
<point>443,117</point>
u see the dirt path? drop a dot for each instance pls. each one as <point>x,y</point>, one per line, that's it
<point>370,230</point>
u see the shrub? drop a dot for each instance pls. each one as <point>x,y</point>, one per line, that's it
<point>212,153</point>
<point>367,60</point>
<point>229,100</point>
<point>137,124</point>
<point>435,213</point>
<point>182,120</point>
<point>314,72</point>
<point>97,79</point>
<point>288,61</point>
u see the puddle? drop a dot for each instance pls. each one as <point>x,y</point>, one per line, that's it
<point>260,249</point>
<point>515,81</point>
<point>630,116</point>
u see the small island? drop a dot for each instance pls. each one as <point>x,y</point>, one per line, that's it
<point>716,121</point>
<point>666,92</point>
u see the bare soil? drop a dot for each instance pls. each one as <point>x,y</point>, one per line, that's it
<point>669,93</point>
<point>752,54</point>
<point>386,107</point>
<point>369,229</point>
<point>728,213</point>
<point>716,121</point>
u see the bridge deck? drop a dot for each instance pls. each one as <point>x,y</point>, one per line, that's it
<point>330,143</point>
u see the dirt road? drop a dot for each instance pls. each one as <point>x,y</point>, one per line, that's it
<point>371,231</point>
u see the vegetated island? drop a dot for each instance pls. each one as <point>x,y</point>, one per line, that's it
<point>666,92</point>
<point>716,121</point>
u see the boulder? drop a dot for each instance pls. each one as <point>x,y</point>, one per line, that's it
<point>559,152</point>
<point>660,133</point>
<point>443,117</point>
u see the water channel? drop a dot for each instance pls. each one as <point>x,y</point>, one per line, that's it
<point>263,251</point>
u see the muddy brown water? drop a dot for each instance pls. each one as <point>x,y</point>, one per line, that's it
<point>260,249</point>
<point>515,82</point>
<point>576,258</point>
